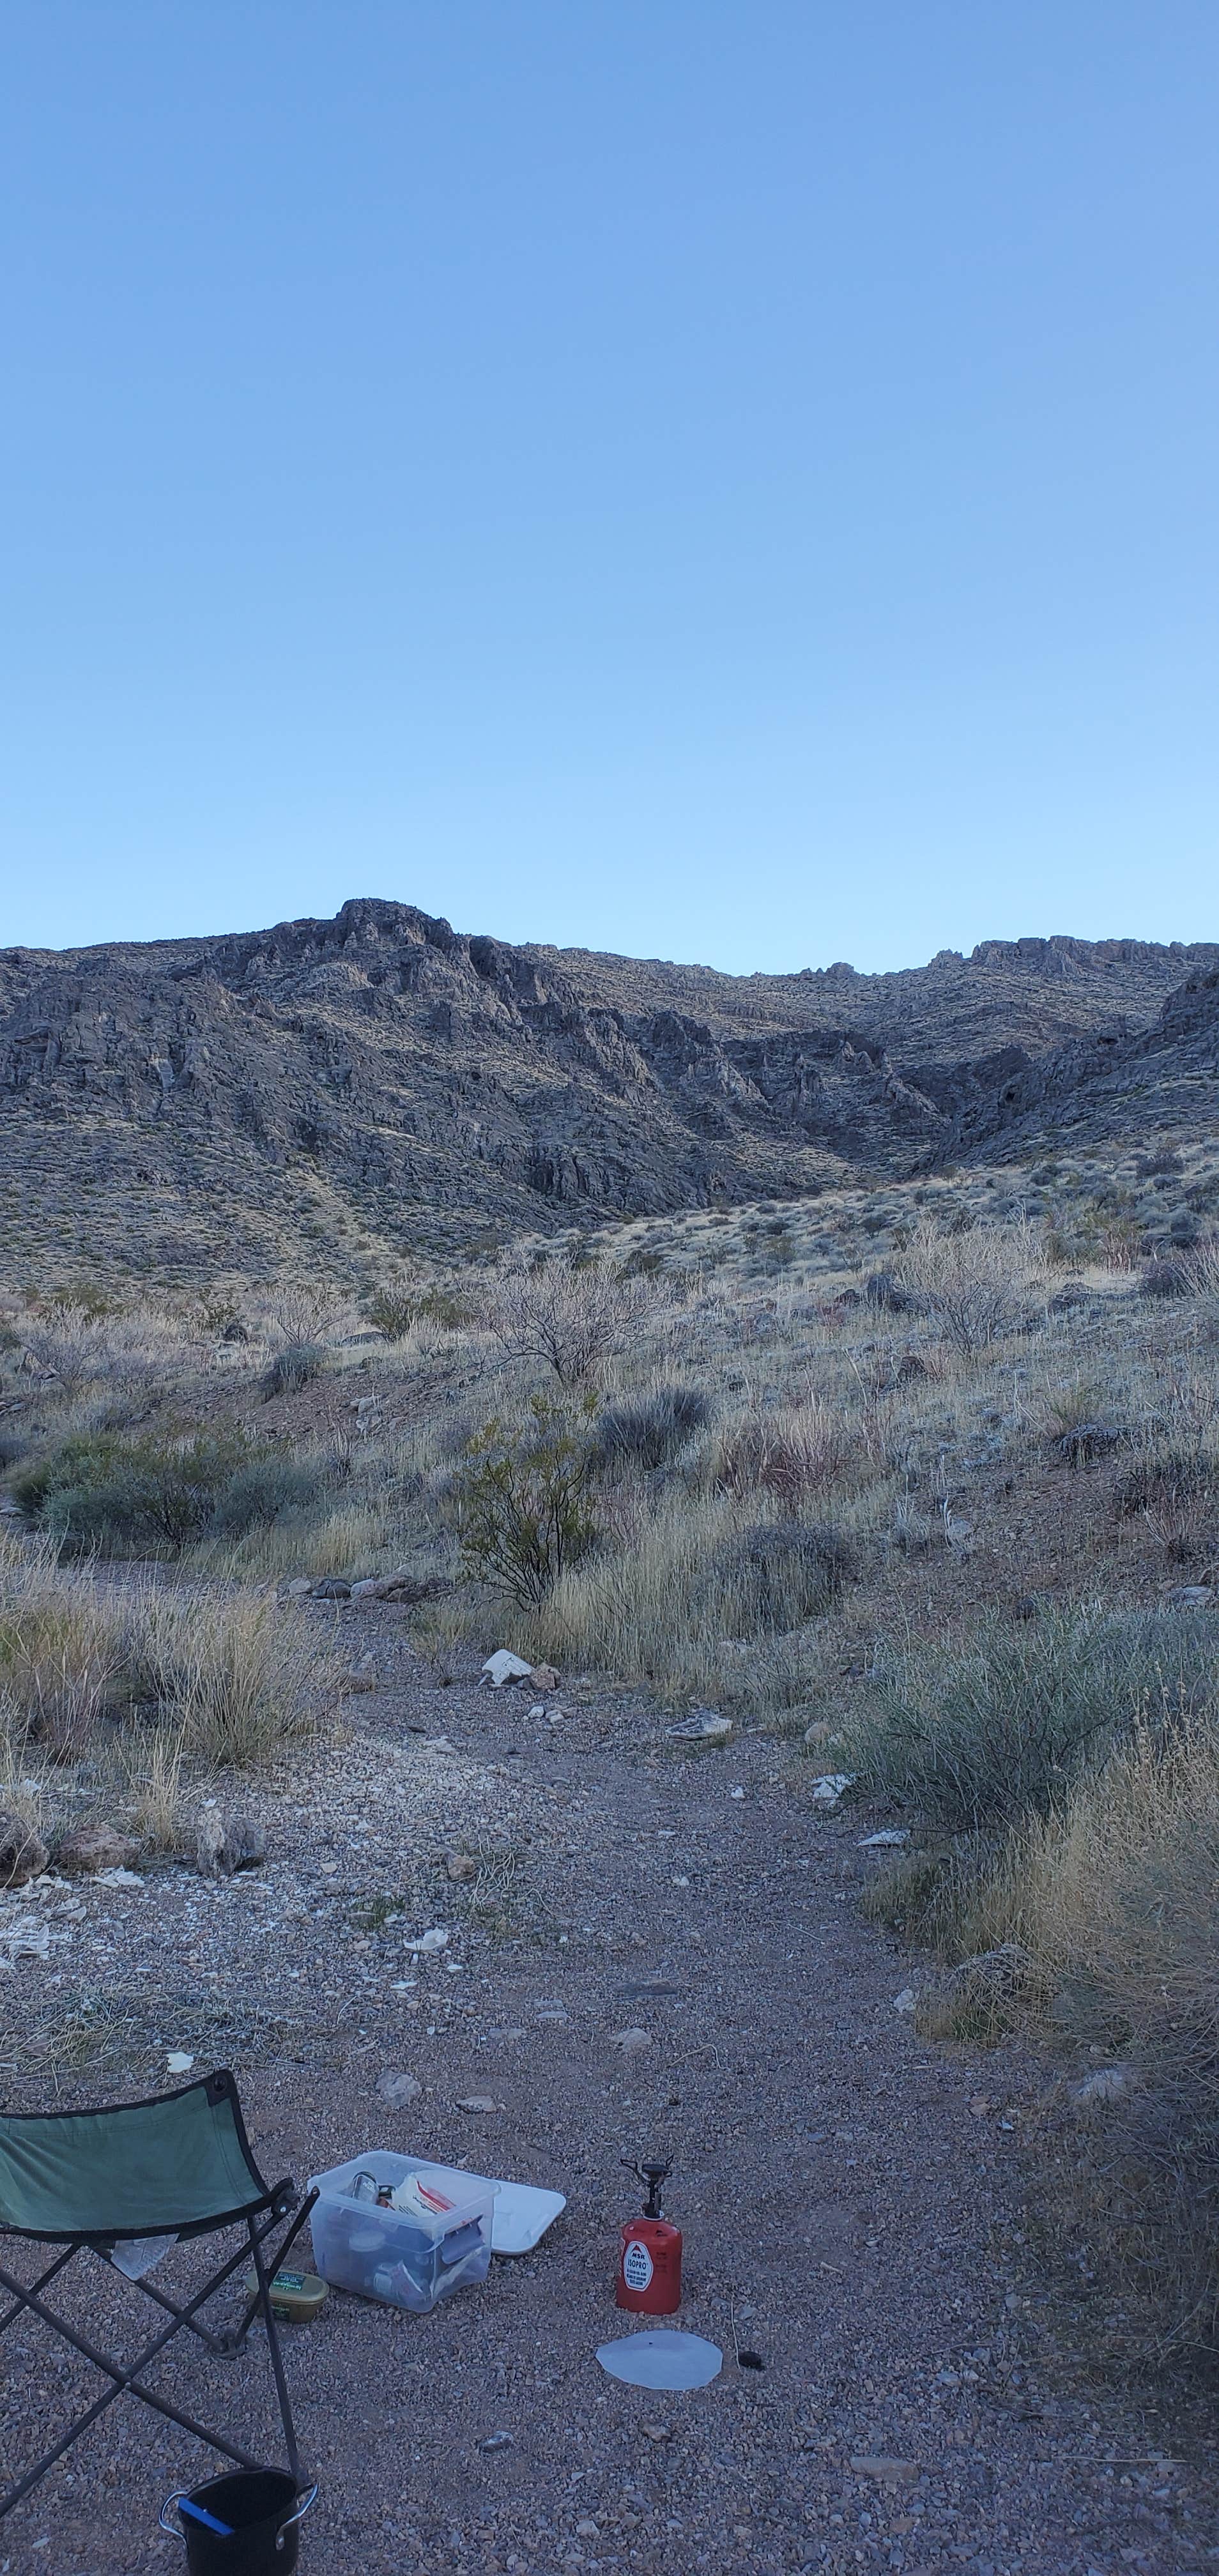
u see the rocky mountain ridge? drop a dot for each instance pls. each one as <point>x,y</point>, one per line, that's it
<point>424,1082</point>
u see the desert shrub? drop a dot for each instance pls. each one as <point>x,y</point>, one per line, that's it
<point>261,1490</point>
<point>300,1312</point>
<point>106,1491</point>
<point>1117,1907</point>
<point>791,1452</point>
<point>291,1369</point>
<point>62,1649</point>
<point>521,1506</point>
<point>981,1735</point>
<point>237,1676</point>
<point>569,1320</point>
<point>1164,1279</point>
<point>649,1431</point>
<point>396,1309</point>
<point>974,1285</point>
<point>786,1572</point>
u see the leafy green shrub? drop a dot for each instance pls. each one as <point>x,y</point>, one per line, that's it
<point>982,1736</point>
<point>521,1506</point>
<point>106,1491</point>
<point>291,1369</point>
<point>649,1432</point>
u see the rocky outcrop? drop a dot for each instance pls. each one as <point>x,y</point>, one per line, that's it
<point>424,1081</point>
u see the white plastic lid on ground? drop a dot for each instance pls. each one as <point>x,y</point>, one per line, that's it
<point>662,2358</point>
<point>521,2216</point>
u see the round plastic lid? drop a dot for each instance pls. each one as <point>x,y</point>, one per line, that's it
<point>663,2358</point>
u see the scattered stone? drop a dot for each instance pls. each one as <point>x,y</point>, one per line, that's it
<point>706,1726</point>
<point>889,1838</point>
<point>23,1853</point>
<point>496,2442</point>
<point>544,1677</point>
<point>461,1867</point>
<point>89,1848</point>
<point>1105,2084</point>
<point>396,2090</point>
<point>479,2102</point>
<point>832,1786</point>
<point>658,2432</point>
<point>503,1666</point>
<point>117,1878</point>
<point>429,1942</point>
<point>403,1586</point>
<point>631,2041</point>
<point>224,1844</point>
<point>999,1972</point>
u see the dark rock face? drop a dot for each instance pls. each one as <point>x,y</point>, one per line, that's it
<point>387,1064</point>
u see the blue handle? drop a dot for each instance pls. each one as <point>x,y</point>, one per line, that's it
<point>198,2513</point>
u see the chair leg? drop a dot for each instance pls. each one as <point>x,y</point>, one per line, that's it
<point>285,2404</point>
<point>39,2284</point>
<point>129,2379</point>
<point>234,2341</point>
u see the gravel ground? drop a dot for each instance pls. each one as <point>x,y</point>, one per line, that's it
<point>869,2229</point>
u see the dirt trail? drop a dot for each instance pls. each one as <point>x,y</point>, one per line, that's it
<point>831,2179</point>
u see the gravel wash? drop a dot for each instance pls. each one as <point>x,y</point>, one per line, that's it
<point>850,2213</point>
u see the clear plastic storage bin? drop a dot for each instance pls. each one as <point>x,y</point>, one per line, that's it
<point>410,2259</point>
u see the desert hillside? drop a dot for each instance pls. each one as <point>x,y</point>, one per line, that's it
<point>380,1083</point>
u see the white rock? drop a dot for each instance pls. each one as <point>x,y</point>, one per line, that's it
<point>906,2001</point>
<point>888,1839</point>
<point>830,1787</point>
<point>736,1793</point>
<point>1105,2084</point>
<point>705,1727</point>
<point>117,1878</point>
<point>396,2090</point>
<point>179,2061</point>
<point>503,1666</point>
<point>429,1942</point>
<point>631,2041</point>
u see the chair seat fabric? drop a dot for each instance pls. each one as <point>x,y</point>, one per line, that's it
<point>177,2164</point>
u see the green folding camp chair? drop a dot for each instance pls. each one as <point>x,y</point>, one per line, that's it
<point>179,2165</point>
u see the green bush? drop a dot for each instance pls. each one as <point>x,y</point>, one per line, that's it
<point>979,1737</point>
<point>521,1504</point>
<point>105,1491</point>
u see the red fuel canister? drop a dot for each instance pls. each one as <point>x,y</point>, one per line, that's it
<point>649,2260</point>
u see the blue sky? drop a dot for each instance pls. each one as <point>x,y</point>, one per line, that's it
<point>705,478</point>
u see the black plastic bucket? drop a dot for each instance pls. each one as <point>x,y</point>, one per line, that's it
<point>263,2511</point>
